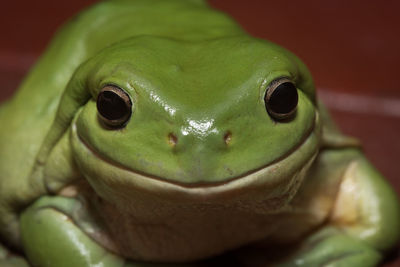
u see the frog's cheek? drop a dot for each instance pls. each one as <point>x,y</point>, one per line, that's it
<point>275,183</point>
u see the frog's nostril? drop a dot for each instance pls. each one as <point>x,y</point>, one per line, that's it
<point>172,139</point>
<point>228,137</point>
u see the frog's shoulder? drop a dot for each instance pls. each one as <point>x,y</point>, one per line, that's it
<point>336,153</point>
<point>316,196</point>
<point>332,137</point>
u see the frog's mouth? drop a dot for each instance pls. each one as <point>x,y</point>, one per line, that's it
<point>278,177</point>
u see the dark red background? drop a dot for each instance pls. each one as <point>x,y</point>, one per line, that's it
<point>352,48</point>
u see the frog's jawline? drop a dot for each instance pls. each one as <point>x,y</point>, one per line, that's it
<point>306,136</point>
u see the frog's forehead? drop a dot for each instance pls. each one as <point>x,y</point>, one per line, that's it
<point>194,75</point>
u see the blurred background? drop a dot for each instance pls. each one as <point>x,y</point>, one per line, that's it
<point>351,47</point>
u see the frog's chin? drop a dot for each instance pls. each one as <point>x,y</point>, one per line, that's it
<point>279,180</point>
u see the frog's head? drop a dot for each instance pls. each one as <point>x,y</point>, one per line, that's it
<point>230,118</point>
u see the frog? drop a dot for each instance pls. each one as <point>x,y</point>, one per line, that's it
<point>160,133</point>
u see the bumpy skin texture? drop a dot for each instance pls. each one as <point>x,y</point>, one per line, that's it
<point>201,168</point>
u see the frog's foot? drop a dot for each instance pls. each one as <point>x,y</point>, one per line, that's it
<point>331,247</point>
<point>8,259</point>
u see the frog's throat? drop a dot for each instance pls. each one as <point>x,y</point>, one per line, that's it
<point>102,173</point>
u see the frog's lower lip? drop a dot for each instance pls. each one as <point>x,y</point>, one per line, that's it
<point>303,153</point>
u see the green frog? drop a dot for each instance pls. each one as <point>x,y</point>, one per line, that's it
<point>159,133</point>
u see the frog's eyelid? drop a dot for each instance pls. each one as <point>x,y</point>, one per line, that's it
<point>111,84</point>
<point>279,80</point>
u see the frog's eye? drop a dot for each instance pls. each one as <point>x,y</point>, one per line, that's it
<point>281,99</point>
<point>114,106</point>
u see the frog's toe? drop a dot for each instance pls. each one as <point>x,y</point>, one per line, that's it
<point>8,259</point>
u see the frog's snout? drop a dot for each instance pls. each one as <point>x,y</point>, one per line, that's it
<point>198,155</point>
<point>173,139</point>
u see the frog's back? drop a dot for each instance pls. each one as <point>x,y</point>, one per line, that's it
<point>27,117</point>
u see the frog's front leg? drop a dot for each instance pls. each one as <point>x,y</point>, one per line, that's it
<point>51,238</point>
<point>331,247</point>
<point>365,223</point>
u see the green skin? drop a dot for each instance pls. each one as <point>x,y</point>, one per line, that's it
<point>201,167</point>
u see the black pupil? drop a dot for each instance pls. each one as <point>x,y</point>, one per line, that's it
<point>284,98</point>
<point>111,106</point>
